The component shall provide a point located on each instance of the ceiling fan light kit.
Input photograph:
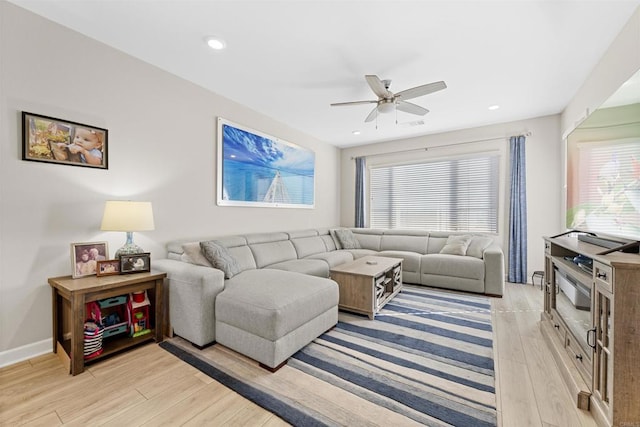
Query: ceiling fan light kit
(387, 102)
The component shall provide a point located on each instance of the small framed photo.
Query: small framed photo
(85, 257)
(108, 267)
(135, 263)
(51, 140)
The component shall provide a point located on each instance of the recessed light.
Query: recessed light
(215, 43)
(494, 107)
(356, 132)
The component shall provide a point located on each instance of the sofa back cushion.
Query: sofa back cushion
(238, 248)
(369, 238)
(306, 246)
(270, 248)
(405, 240)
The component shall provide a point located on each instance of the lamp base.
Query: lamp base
(129, 247)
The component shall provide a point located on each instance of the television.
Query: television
(603, 171)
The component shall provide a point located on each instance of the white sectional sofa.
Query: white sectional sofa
(276, 296)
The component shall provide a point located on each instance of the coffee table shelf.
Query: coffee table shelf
(368, 283)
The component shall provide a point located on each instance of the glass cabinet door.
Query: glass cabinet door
(602, 376)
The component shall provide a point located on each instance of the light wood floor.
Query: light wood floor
(148, 386)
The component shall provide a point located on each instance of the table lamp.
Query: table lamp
(128, 216)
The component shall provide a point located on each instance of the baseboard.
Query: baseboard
(29, 351)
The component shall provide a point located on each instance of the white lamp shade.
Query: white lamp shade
(127, 216)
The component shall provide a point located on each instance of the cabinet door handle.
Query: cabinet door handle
(579, 357)
(602, 276)
(557, 326)
(589, 336)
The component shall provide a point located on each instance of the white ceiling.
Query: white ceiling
(291, 59)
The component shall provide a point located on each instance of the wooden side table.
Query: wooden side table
(69, 298)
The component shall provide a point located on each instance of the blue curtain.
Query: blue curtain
(518, 212)
(361, 165)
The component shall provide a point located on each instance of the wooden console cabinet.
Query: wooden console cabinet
(591, 322)
(69, 298)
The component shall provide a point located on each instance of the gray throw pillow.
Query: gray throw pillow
(220, 258)
(478, 245)
(456, 245)
(347, 239)
(332, 232)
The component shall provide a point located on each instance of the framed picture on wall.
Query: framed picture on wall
(85, 258)
(255, 169)
(51, 140)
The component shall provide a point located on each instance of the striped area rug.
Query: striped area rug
(427, 359)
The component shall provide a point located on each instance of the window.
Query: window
(459, 194)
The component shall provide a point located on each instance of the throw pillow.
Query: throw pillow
(220, 258)
(347, 239)
(456, 245)
(332, 232)
(478, 245)
(192, 254)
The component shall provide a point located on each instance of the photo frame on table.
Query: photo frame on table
(259, 170)
(85, 257)
(108, 267)
(135, 263)
(51, 140)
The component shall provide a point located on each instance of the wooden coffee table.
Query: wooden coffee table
(368, 283)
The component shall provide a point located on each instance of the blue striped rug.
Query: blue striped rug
(426, 359)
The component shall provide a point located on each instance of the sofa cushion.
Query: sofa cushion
(220, 258)
(359, 253)
(409, 243)
(314, 267)
(334, 258)
(453, 266)
(306, 246)
(273, 252)
(456, 245)
(329, 243)
(369, 238)
(477, 246)
(271, 303)
(347, 239)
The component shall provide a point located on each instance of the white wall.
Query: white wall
(162, 133)
(544, 181)
(620, 62)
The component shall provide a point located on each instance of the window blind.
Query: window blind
(459, 194)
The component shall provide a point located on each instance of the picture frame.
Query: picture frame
(108, 267)
(135, 263)
(259, 170)
(51, 140)
(85, 257)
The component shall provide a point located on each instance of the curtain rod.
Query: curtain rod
(528, 133)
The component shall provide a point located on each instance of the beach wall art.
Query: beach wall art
(255, 169)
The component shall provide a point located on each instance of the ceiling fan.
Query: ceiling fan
(388, 101)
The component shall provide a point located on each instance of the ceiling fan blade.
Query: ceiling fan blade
(372, 115)
(409, 107)
(417, 91)
(377, 86)
(338, 104)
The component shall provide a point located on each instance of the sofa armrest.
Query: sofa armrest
(192, 291)
(493, 270)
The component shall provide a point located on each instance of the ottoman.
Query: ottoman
(268, 314)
